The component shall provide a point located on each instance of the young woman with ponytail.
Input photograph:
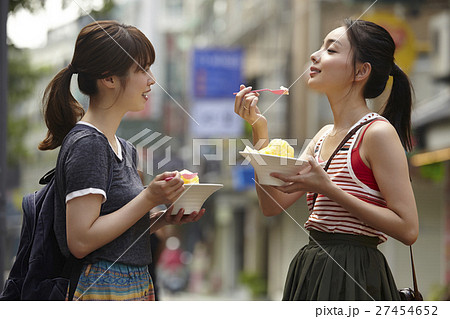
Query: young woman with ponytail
(103, 209)
(365, 195)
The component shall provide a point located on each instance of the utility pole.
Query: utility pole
(3, 131)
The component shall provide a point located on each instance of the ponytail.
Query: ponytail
(61, 110)
(373, 43)
(398, 106)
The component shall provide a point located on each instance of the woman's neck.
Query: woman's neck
(104, 119)
(347, 110)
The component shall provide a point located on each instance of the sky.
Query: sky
(29, 30)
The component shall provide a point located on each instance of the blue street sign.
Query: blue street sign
(243, 177)
(216, 72)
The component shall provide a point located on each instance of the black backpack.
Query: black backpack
(40, 271)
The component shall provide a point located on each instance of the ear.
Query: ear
(109, 82)
(363, 71)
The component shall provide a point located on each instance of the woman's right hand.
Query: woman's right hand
(245, 105)
(165, 188)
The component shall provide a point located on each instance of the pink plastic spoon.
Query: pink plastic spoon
(279, 91)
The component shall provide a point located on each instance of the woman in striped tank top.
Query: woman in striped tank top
(366, 194)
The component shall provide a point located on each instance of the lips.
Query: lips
(145, 94)
(314, 70)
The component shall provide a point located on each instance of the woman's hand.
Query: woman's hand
(180, 218)
(245, 105)
(311, 179)
(165, 188)
(165, 217)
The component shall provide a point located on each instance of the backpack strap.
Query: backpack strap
(72, 270)
(47, 177)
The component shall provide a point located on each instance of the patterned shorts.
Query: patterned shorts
(104, 280)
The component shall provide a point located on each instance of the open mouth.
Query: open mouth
(145, 94)
(314, 70)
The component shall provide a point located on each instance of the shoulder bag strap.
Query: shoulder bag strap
(344, 140)
(417, 295)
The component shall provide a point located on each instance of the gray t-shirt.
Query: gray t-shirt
(88, 165)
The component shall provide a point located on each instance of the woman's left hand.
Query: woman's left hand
(312, 179)
(180, 218)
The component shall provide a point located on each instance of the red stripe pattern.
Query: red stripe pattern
(329, 216)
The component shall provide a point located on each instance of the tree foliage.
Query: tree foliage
(30, 5)
(34, 5)
(22, 79)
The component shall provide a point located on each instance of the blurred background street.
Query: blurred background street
(204, 50)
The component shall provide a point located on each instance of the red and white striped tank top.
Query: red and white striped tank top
(329, 216)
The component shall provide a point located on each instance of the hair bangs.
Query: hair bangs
(144, 52)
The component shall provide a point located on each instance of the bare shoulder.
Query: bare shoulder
(381, 132)
(322, 131)
(311, 145)
(381, 141)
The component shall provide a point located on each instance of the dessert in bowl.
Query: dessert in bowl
(195, 194)
(277, 157)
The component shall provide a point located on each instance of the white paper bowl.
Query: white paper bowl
(194, 196)
(265, 164)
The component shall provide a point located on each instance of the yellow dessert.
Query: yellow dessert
(278, 147)
(189, 178)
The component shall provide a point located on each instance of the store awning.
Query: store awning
(431, 120)
(433, 110)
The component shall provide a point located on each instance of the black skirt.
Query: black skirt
(340, 267)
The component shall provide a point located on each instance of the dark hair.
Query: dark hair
(373, 44)
(102, 49)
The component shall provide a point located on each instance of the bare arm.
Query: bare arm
(271, 201)
(386, 157)
(88, 231)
